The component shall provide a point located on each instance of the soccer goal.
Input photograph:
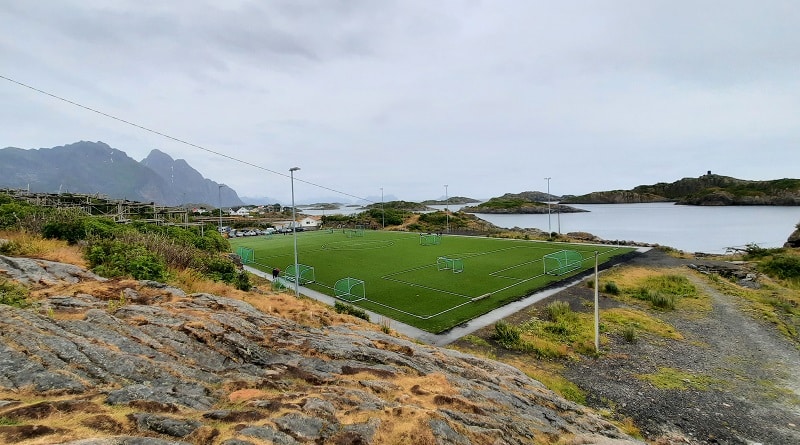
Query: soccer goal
(246, 254)
(351, 233)
(349, 289)
(305, 274)
(453, 264)
(429, 239)
(561, 262)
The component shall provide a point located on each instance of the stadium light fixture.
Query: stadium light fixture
(383, 212)
(294, 235)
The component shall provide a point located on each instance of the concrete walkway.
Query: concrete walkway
(451, 335)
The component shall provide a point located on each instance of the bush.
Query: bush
(13, 294)
(112, 258)
(661, 300)
(350, 310)
(629, 334)
(507, 335)
(242, 281)
(557, 309)
(783, 266)
(611, 288)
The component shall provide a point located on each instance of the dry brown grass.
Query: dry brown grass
(34, 246)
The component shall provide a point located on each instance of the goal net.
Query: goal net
(349, 289)
(246, 254)
(429, 239)
(305, 274)
(561, 262)
(454, 264)
(351, 233)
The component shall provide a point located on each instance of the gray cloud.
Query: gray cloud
(488, 97)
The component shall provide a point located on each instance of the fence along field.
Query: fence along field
(410, 281)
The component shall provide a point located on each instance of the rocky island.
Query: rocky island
(520, 203)
(707, 190)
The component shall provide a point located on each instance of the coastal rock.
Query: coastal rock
(794, 239)
(180, 360)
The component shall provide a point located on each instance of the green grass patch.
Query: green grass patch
(6, 421)
(13, 294)
(618, 319)
(671, 378)
(401, 277)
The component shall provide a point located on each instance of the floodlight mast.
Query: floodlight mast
(294, 235)
(219, 197)
(549, 229)
(383, 212)
(446, 211)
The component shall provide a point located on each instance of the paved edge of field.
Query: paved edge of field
(455, 333)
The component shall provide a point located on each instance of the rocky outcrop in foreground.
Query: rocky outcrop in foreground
(116, 362)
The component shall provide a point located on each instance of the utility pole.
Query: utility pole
(294, 235)
(446, 210)
(549, 229)
(219, 197)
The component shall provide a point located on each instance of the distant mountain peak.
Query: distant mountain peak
(96, 167)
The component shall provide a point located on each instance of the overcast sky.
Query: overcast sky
(486, 97)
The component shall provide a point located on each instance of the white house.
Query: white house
(241, 211)
(310, 222)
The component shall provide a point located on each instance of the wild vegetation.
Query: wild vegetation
(139, 250)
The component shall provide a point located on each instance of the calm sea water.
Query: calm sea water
(688, 228)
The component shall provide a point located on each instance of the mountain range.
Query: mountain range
(94, 167)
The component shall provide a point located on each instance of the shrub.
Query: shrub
(611, 288)
(13, 294)
(350, 310)
(783, 266)
(661, 300)
(557, 309)
(629, 334)
(242, 281)
(111, 258)
(507, 335)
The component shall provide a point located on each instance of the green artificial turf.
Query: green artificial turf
(401, 278)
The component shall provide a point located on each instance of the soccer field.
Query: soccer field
(433, 283)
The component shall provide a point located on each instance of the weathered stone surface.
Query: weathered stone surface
(269, 433)
(125, 441)
(192, 355)
(30, 271)
(165, 425)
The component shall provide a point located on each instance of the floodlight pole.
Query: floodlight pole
(294, 235)
(219, 197)
(549, 230)
(446, 210)
(383, 212)
(596, 306)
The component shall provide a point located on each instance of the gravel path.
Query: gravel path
(744, 386)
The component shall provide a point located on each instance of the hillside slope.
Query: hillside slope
(122, 359)
(709, 190)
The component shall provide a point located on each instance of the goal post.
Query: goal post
(456, 265)
(349, 289)
(305, 274)
(429, 239)
(246, 254)
(562, 262)
(351, 233)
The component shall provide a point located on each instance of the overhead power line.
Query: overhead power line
(179, 140)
